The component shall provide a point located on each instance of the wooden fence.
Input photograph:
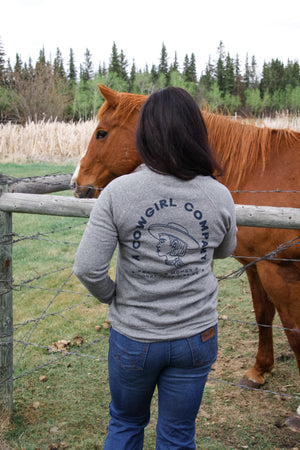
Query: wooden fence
(247, 215)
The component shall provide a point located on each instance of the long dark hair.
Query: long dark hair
(172, 137)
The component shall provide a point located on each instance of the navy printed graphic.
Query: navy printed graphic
(174, 242)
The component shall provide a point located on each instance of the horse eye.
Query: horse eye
(101, 134)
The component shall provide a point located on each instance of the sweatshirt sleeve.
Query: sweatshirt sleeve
(227, 247)
(96, 250)
(228, 244)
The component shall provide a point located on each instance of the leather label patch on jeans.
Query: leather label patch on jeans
(208, 334)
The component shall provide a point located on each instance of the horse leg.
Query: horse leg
(282, 282)
(264, 313)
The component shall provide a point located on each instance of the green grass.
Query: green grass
(69, 407)
(33, 169)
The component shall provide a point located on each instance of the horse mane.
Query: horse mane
(240, 147)
(126, 105)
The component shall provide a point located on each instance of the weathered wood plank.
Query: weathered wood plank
(46, 204)
(267, 216)
(6, 315)
(247, 215)
(38, 185)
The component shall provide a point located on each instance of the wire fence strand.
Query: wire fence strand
(33, 323)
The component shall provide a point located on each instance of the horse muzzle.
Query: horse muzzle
(84, 191)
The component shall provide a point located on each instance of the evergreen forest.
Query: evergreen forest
(53, 90)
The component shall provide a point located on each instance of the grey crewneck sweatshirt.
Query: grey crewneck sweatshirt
(167, 231)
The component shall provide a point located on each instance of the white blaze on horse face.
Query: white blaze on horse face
(75, 174)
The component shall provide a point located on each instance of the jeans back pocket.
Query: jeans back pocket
(129, 354)
(204, 347)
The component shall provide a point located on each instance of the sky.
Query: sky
(267, 29)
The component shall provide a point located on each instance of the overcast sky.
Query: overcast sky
(264, 28)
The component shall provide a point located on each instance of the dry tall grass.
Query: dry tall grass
(45, 141)
(58, 141)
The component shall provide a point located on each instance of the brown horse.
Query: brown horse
(253, 159)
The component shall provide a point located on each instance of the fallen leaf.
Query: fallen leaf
(78, 340)
(36, 405)
(106, 325)
(43, 378)
(59, 346)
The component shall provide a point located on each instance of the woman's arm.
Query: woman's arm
(95, 252)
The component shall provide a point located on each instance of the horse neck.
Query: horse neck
(244, 149)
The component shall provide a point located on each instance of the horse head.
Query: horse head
(112, 150)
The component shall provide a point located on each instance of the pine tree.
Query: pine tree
(123, 66)
(72, 72)
(229, 75)
(41, 62)
(265, 80)
(220, 68)
(2, 65)
(186, 65)
(132, 76)
(247, 73)
(189, 69)
(114, 63)
(163, 67)
(277, 76)
(58, 65)
(18, 64)
(238, 85)
(175, 66)
(42, 57)
(154, 74)
(253, 75)
(104, 70)
(86, 70)
(208, 78)
(193, 69)
(273, 77)
(292, 74)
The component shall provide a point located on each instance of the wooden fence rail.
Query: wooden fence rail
(37, 185)
(247, 215)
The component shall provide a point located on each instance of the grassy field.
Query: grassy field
(61, 398)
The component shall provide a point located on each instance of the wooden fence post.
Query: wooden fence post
(6, 313)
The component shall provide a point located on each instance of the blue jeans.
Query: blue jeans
(178, 368)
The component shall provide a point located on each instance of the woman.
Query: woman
(163, 312)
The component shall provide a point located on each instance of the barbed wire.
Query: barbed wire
(262, 325)
(40, 235)
(79, 352)
(64, 354)
(243, 386)
(255, 324)
(29, 333)
(233, 275)
(268, 256)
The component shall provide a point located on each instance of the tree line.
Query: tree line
(51, 90)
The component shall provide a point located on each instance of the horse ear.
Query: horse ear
(111, 96)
